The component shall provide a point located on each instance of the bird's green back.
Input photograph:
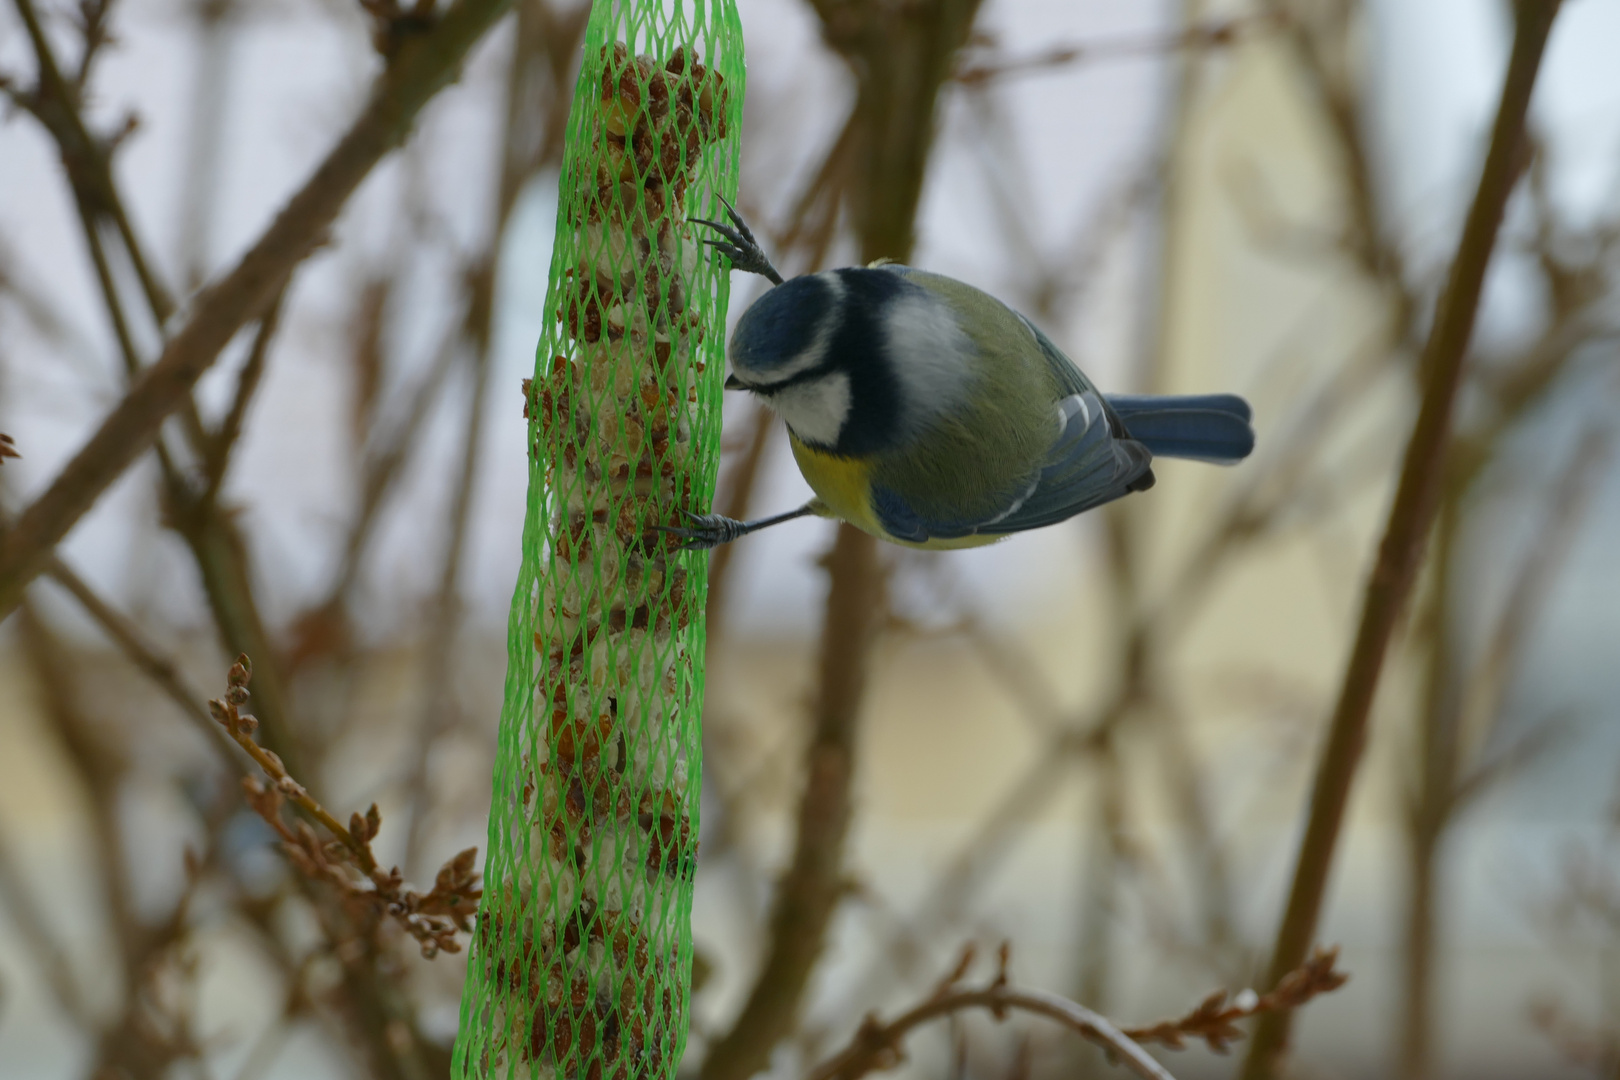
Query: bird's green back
(998, 439)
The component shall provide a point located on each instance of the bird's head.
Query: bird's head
(853, 360)
(782, 351)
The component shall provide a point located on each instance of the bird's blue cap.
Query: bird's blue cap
(779, 328)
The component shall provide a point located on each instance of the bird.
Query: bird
(929, 414)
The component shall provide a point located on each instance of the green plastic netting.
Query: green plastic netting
(581, 964)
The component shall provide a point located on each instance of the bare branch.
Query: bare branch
(877, 1045)
(422, 67)
(977, 72)
(221, 445)
(433, 919)
(1214, 1019)
(154, 665)
(1410, 518)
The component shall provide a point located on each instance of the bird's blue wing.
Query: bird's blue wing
(1086, 467)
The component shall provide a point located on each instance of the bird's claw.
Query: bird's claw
(739, 244)
(706, 531)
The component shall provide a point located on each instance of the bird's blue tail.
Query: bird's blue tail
(1203, 427)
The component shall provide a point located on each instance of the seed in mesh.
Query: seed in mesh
(591, 945)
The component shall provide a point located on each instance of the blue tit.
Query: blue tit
(929, 414)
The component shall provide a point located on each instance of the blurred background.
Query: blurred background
(1094, 741)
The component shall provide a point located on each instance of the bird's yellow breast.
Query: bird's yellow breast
(843, 486)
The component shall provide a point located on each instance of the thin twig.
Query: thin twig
(1214, 1019)
(161, 669)
(223, 443)
(1410, 518)
(432, 919)
(1205, 36)
(876, 1045)
(85, 156)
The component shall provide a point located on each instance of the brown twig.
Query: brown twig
(419, 70)
(93, 17)
(1210, 35)
(1366, 237)
(161, 669)
(8, 448)
(433, 919)
(223, 443)
(85, 156)
(876, 1045)
(1214, 1020)
(1410, 518)
(1504, 652)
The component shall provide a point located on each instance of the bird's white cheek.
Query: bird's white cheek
(815, 410)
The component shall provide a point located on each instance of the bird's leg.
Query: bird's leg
(712, 530)
(739, 245)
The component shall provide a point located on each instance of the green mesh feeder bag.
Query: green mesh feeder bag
(581, 964)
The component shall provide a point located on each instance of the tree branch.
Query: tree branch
(1409, 522)
(877, 1045)
(422, 66)
(159, 668)
(218, 451)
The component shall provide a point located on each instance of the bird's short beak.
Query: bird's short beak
(734, 383)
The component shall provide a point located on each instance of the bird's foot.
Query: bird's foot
(707, 531)
(739, 245)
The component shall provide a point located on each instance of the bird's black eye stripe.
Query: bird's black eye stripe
(792, 380)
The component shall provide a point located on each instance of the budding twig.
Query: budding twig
(433, 919)
(1214, 1019)
(877, 1045)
